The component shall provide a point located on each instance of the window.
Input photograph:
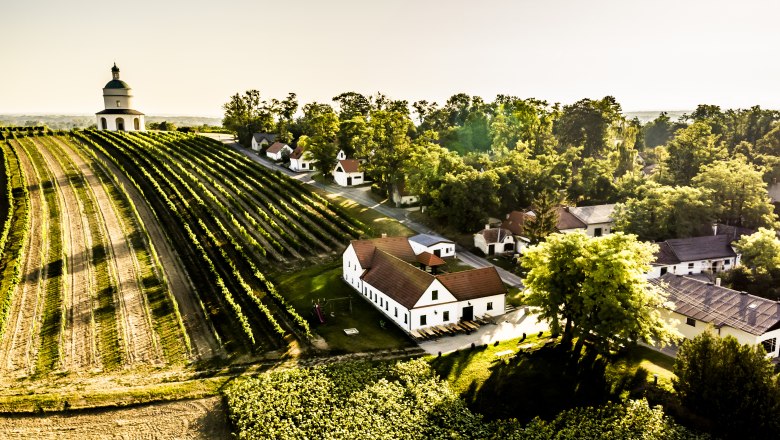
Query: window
(136, 124)
(690, 265)
(690, 321)
(423, 320)
(769, 345)
(597, 232)
(381, 302)
(445, 316)
(435, 295)
(396, 312)
(727, 262)
(387, 306)
(490, 305)
(118, 103)
(405, 315)
(103, 123)
(663, 271)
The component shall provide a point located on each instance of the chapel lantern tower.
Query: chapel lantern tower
(119, 114)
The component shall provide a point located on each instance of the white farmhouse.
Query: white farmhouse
(301, 160)
(690, 256)
(699, 305)
(401, 197)
(119, 114)
(439, 246)
(347, 172)
(383, 270)
(596, 220)
(277, 150)
(492, 241)
(261, 140)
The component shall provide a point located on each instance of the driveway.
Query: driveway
(509, 326)
(361, 196)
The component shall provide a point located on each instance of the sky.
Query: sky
(187, 57)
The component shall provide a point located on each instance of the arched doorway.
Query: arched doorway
(136, 124)
(120, 124)
(103, 123)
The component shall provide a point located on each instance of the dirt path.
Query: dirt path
(20, 341)
(187, 419)
(134, 318)
(79, 337)
(204, 343)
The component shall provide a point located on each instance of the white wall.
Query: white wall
(351, 270)
(481, 244)
(129, 122)
(341, 178)
(278, 156)
(305, 163)
(258, 147)
(694, 267)
(606, 229)
(445, 249)
(111, 96)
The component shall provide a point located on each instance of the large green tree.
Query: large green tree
(730, 384)
(247, 114)
(692, 148)
(737, 193)
(388, 147)
(320, 127)
(760, 251)
(661, 212)
(595, 289)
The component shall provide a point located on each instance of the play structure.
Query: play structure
(321, 307)
(318, 313)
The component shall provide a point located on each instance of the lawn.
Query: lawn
(323, 282)
(377, 223)
(545, 380)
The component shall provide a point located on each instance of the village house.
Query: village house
(439, 246)
(347, 173)
(386, 271)
(493, 241)
(700, 305)
(278, 150)
(401, 197)
(695, 255)
(301, 160)
(261, 140)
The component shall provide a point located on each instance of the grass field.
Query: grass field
(546, 380)
(323, 282)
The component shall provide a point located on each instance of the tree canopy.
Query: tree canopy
(595, 289)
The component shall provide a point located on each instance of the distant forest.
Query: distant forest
(67, 122)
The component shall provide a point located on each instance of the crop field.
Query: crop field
(122, 251)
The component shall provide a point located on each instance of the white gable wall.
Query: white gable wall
(340, 177)
(351, 269)
(445, 249)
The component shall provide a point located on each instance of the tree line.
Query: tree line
(469, 159)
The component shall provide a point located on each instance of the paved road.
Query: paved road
(361, 196)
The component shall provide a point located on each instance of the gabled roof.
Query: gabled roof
(276, 147)
(297, 153)
(697, 248)
(428, 259)
(719, 305)
(350, 165)
(733, 232)
(593, 214)
(665, 255)
(475, 283)
(515, 222)
(567, 220)
(396, 246)
(397, 279)
(428, 239)
(495, 235)
(270, 137)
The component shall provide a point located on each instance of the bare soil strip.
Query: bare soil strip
(79, 338)
(199, 329)
(20, 341)
(187, 419)
(138, 334)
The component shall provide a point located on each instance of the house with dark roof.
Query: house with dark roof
(261, 140)
(401, 196)
(439, 246)
(694, 255)
(278, 150)
(301, 160)
(493, 241)
(696, 306)
(394, 278)
(348, 173)
(594, 220)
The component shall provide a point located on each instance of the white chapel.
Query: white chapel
(119, 114)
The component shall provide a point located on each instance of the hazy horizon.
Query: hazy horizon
(182, 58)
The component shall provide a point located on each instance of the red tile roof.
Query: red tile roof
(276, 147)
(397, 279)
(430, 259)
(472, 284)
(350, 165)
(515, 222)
(567, 220)
(297, 153)
(396, 246)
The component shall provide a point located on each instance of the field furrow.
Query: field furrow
(20, 339)
(79, 337)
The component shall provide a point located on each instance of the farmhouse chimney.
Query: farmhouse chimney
(714, 229)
